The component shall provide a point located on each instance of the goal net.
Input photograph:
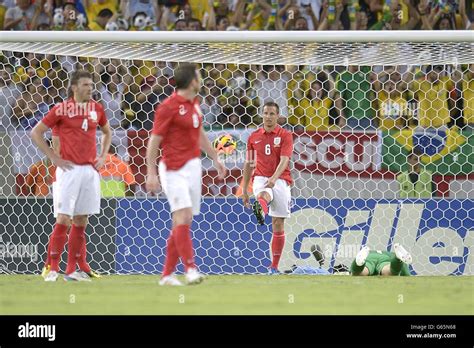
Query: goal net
(383, 145)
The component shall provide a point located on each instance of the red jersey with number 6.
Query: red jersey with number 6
(76, 124)
(266, 148)
(178, 120)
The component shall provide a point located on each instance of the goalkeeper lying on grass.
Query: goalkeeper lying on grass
(372, 263)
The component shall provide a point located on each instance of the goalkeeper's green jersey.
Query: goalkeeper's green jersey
(377, 260)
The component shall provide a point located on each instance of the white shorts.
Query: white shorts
(76, 191)
(183, 187)
(280, 196)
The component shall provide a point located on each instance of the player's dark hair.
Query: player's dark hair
(184, 74)
(270, 104)
(75, 77)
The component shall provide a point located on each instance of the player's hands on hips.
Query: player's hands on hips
(61, 163)
(246, 200)
(152, 184)
(99, 162)
(271, 183)
(221, 169)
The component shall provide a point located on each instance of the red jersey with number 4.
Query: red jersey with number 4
(76, 125)
(266, 148)
(178, 120)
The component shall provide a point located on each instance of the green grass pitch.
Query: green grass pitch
(239, 294)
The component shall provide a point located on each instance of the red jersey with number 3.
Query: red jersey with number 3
(267, 148)
(178, 120)
(76, 125)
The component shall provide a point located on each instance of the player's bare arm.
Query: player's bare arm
(152, 182)
(37, 135)
(105, 145)
(284, 161)
(207, 147)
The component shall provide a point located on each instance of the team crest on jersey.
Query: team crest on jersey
(93, 116)
(182, 110)
(277, 141)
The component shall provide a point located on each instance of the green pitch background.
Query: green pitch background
(240, 294)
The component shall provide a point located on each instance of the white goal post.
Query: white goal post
(348, 176)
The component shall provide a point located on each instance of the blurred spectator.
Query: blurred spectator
(294, 17)
(33, 104)
(194, 24)
(40, 177)
(100, 20)
(468, 97)
(140, 107)
(354, 98)
(465, 21)
(21, 16)
(433, 95)
(298, 85)
(311, 8)
(362, 20)
(130, 8)
(333, 15)
(220, 17)
(312, 111)
(180, 25)
(117, 179)
(70, 19)
(31, 65)
(209, 105)
(9, 92)
(415, 181)
(447, 15)
(110, 91)
(93, 7)
(58, 77)
(237, 112)
(38, 22)
(398, 15)
(3, 10)
(271, 85)
(258, 15)
(169, 15)
(393, 111)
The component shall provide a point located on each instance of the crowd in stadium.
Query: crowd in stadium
(234, 14)
(310, 98)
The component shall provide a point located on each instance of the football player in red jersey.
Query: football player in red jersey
(83, 258)
(269, 150)
(178, 129)
(77, 178)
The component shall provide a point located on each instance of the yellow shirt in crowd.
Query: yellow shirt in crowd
(312, 114)
(433, 109)
(393, 113)
(95, 7)
(468, 97)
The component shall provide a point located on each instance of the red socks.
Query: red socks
(172, 256)
(82, 261)
(184, 245)
(264, 205)
(74, 246)
(58, 240)
(278, 242)
(48, 252)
